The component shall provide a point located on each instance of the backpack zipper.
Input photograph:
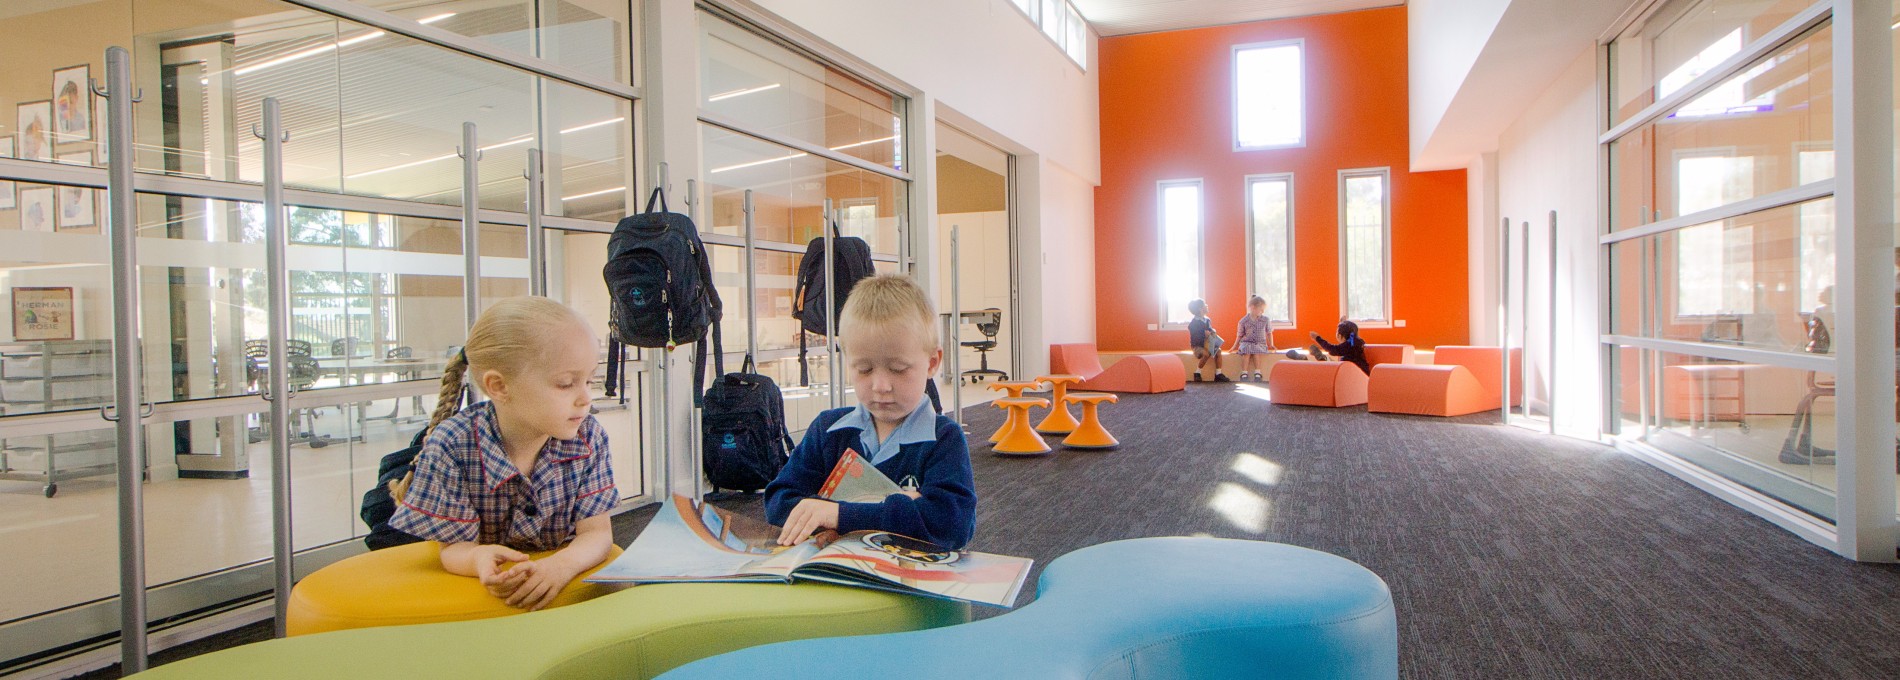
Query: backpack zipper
(665, 301)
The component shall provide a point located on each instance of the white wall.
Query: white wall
(1443, 38)
(1481, 196)
(1547, 160)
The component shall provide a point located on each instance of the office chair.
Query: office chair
(989, 322)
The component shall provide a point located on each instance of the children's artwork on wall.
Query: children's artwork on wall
(72, 104)
(36, 120)
(36, 209)
(78, 206)
(7, 198)
(43, 313)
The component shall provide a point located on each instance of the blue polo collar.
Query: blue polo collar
(919, 426)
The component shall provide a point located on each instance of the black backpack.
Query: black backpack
(659, 282)
(854, 264)
(745, 442)
(378, 506)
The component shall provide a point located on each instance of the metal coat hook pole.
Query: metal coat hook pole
(258, 132)
(106, 412)
(93, 84)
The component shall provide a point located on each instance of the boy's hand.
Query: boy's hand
(1315, 334)
(808, 516)
(491, 568)
(546, 579)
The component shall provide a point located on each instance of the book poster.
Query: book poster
(78, 206)
(72, 104)
(42, 314)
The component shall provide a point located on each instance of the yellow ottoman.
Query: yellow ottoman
(404, 585)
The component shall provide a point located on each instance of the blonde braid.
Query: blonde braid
(449, 402)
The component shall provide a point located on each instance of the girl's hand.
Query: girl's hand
(545, 581)
(491, 568)
(808, 516)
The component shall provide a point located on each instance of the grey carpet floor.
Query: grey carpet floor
(1510, 554)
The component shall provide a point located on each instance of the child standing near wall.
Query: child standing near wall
(1253, 338)
(1205, 341)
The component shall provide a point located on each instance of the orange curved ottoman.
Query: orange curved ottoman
(1317, 383)
(1427, 390)
(1389, 354)
(1144, 373)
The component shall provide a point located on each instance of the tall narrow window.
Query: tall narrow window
(1365, 213)
(1270, 243)
(1269, 96)
(1180, 203)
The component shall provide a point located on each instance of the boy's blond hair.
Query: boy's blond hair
(891, 299)
(507, 337)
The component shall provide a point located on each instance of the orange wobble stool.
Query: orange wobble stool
(1020, 438)
(1015, 388)
(1090, 434)
(1059, 420)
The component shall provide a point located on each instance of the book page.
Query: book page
(911, 565)
(856, 480)
(685, 542)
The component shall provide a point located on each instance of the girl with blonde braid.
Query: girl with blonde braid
(527, 470)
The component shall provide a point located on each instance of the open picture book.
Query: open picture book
(696, 542)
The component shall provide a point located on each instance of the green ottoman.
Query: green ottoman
(636, 633)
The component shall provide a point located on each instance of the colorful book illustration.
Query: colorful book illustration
(693, 542)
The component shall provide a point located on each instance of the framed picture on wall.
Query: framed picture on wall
(78, 206)
(72, 104)
(36, 127)
(36, 209)
(7, 199)
(41, 313)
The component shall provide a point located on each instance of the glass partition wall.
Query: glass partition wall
(797, 135)
(1720, 246)
(376, 258)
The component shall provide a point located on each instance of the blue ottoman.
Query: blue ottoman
(1141, 608)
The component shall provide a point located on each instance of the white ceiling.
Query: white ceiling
(1122, 17)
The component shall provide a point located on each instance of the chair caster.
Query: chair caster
(50, 489)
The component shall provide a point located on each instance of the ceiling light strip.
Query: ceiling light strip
(800, 145)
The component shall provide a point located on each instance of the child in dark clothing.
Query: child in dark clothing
(1204, 340)
(1350, 348)
(889, 332)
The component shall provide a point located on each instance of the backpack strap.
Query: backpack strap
(804, 370)
(659, 195)
(711, 295)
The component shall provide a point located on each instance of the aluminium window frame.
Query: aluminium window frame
(1161, 243)
(1233, 90)
(1384, 173)
(1292, 281)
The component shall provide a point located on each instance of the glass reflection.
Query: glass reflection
(789, 190)
(772, 89)
(1767, 129)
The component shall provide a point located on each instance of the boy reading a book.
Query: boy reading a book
(888, 330)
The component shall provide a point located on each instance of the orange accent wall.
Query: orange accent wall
(1166, 110)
